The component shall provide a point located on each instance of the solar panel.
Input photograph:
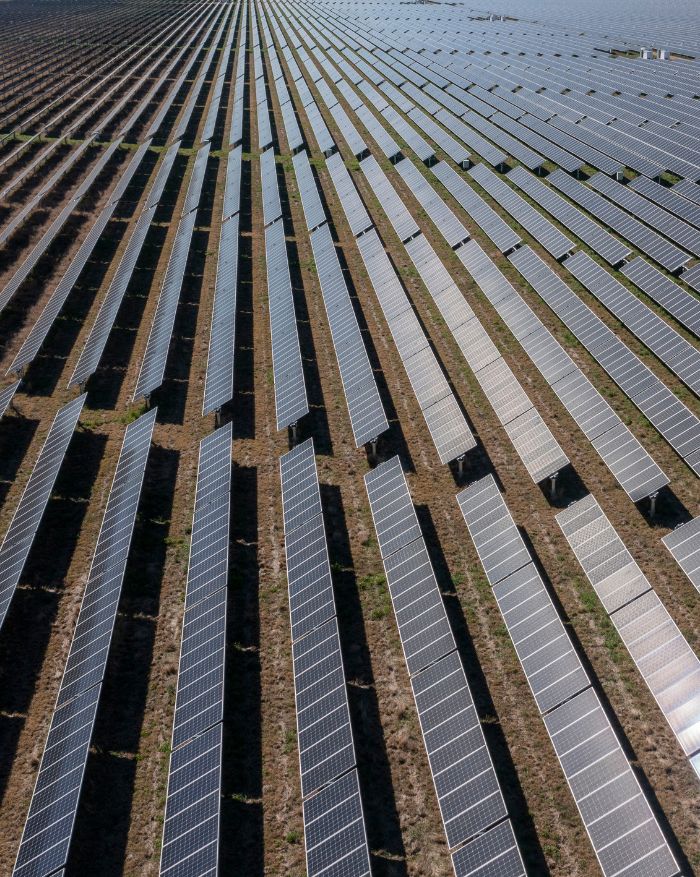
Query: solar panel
(606, 562)
(556, 243)
(323, 720)
(684, 545)
(194, 187)
(290, 390)
(597, 238)
(30, 509)
(493, 854)
(445, 220)
(667, 198)
(91, 353)
(671, 348)
(379, 134)
(199, 700)
(403, 223)
(661, 289)
(468, 792)
(49, 826)
(310, 201)
(272, 209)
(263, 116)
(232, 186)
(472, 138)
(620, 823)
(6, 396)
(191, 828)
(350, 200)
(484, 216)
(663, 656)
(365, 408)
(218, 386)
(334, 829)
(323, 137)
(392, 510)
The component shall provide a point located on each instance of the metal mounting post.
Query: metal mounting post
(293, 428)
(147, 401)
(652, 503)
(460, 466)
(217, 418)
(373, 448)
(553, 485)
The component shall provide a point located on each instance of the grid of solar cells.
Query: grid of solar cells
(662, 654)
(314, 213)
(681, 304)
(6, 396)
(667, 198)
(367, 416)
(597, 238)
(152, 370)
(606, 791)
(466, 784)
(673, 420)
(93, 349)
(494, 853)
(446, 423)
(671, 348)
(25, 522)
(450, 227)
(272, 209)
(218, 386)
(324, 731)
(684, 545)
(555, 242)
(620, 823)
(403, 223)
(648, 241)
(334, 828)
(49, 826)
(290, 390)
(190, 832)
(502, 235)
(355, 212)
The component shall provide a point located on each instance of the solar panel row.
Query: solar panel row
(94, 346)
(538, 449)
(611, 803)
(665, 343)
(190, 831)
(334, 829)
(446, 423)
(662, 654)
(673, 420)
(49, 827)
(466, 784)
(25, 522)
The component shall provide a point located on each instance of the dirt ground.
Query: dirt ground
(119, 824)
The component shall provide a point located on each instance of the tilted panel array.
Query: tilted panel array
(49, 827)
(334, 827)
(155, 357)
(290, 390)
(25, 522)
(673, 420)
(93, 349)
(612, 804)
(682, 305)
(665, 343)
(218, 384)
(663, 656)
(446, 422)
(467, 788)
(367, 416)
(684, 545)
(191, 829)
